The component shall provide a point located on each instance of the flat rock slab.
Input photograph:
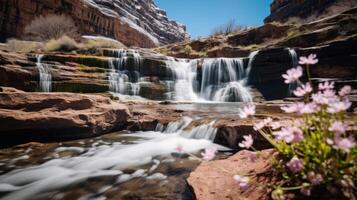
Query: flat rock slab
(213, 180)
(58, 115)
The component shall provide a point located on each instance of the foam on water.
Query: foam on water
(121, 80)
(107, 160)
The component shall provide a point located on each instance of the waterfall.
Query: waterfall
(45, 75)
(185, 72)
(223, 79)
(294, 63)
(252, 56)
(204, 131)
(216, 79)
(121, 80)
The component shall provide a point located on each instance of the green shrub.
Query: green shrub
(187, 49)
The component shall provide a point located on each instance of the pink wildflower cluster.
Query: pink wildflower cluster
(304, 141)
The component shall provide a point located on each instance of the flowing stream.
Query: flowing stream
(45, 75)
(118, 165)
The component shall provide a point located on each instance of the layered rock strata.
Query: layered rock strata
(135, 23)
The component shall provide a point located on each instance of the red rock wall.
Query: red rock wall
(283, 10)
(16, 14)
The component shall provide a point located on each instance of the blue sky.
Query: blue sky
(201, 16)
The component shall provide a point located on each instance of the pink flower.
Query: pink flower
(319, 98)
(339, 106)
(345, 90)
(209, 153)
(315, 179)
(247, 111)
(289, 134)
(179, 148)
(338, 127)
(295, 165)
(325, 97)
(309, 108)
(310, 60)
(262, 123)
(242, 181)
(306, 191)
(344, 144)
(247, 142)
(303, 90)
(326, 85)
(292, 75)
(295, 107)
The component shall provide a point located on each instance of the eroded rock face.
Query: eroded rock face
(57, 115)
(284, 10)
(134, 23)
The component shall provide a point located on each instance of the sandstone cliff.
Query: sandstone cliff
(306, 10)
(134, 23)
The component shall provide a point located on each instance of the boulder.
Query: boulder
(43, 116)
(214, 180)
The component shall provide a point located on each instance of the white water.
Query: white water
(150, 148)
(185, 72)
(122, 81)
(294, 63)
(222, 79)
(45, 75)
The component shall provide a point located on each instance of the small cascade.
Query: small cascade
(223, 79)
(185, 73)
(294, 63)
(45, 75)
(204, 131)
(251, 57)
(121, 80)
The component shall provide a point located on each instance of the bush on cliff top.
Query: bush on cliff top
(63, 43)
(49, 27)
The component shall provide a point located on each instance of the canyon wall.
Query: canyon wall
(306, 10)
(134, 23)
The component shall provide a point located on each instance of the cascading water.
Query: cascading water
(45, 75)
(221, 80)
(224, 79)
(204, 131)
(139, 155)
(121, 80)
(185, 72)
(294, 63)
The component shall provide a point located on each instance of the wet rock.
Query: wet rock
(214, 179)
(152, 90)
(42, 116)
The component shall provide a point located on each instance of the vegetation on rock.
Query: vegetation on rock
(316, 150)
(49, 27)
